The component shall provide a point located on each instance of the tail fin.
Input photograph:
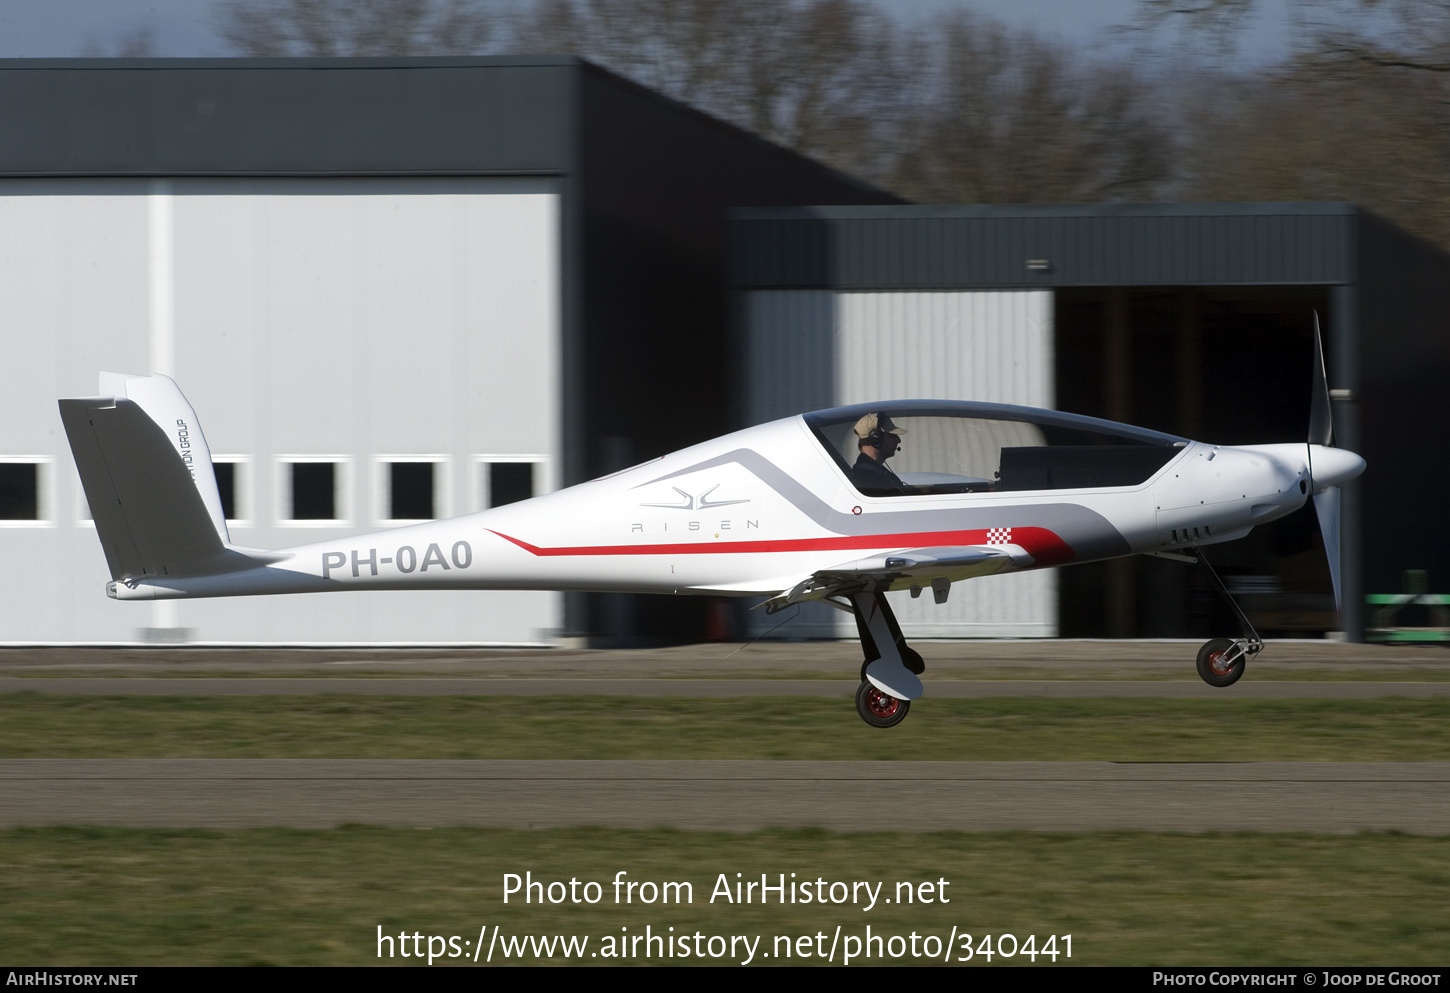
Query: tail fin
(148, 477)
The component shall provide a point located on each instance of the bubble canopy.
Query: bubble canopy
(967, 447)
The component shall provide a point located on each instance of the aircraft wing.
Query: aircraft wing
(899, 570)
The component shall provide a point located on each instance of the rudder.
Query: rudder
(148, 478)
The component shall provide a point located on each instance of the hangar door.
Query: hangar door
(360, 353)
(809, 349)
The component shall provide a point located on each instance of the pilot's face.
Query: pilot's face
(889, 444)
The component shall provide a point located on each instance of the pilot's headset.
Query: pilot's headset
(876, 437)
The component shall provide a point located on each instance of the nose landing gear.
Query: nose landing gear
(1221, 661)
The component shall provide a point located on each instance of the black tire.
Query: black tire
(878, 709)
(1212, 671)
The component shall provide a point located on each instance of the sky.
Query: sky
(71, 28)
(1103, 27)
(186, 28)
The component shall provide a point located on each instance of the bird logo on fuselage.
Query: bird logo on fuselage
(688, 501)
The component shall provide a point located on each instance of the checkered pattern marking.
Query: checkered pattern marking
(999, 536)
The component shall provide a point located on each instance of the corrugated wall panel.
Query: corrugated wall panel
(987, 346)
(886, 248)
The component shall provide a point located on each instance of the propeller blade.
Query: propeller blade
(1321, 432)
(1321, 423)
(1326, 507)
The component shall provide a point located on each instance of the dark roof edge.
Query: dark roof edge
(664, 101)
(480, 173)
(966, 211)
(591, 70)
(389, 62)
(1422, 244)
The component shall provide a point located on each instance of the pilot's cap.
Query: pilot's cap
(873, 423)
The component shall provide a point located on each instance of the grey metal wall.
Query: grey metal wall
(279, 117)
(1397, 400)
(790, 353)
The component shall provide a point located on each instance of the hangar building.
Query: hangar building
(392, 290)
(1195, 319)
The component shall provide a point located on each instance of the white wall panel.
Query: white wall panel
(988, 346)
(73, 293)
(351, 317)
(994, 347)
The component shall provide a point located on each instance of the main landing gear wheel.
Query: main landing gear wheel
(877, 708)
(1212, 667)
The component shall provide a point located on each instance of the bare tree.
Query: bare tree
(1359, 112)
(1219, 20)
(1407, 34)
(327, 28)
(1013, 119)
(1379, 136)
(826, 77)
(964, 111)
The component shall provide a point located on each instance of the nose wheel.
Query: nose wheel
(879, 709)
(1221, 662)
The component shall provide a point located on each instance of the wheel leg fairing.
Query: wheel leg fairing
(888, 671)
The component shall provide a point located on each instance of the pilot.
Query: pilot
(878, 439)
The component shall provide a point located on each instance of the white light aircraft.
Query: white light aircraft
(800, 509)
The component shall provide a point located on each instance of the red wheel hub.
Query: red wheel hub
(1218, 665)
(880, 704)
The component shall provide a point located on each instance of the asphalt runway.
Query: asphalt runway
(1333, 797)
(730, 795)
(1042, 659)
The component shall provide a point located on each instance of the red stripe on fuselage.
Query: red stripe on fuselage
(1045, 547)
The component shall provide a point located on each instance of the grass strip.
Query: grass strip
(995, 729)
(150, 897)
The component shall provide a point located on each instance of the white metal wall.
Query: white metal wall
(339, 318)
(988, 346)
